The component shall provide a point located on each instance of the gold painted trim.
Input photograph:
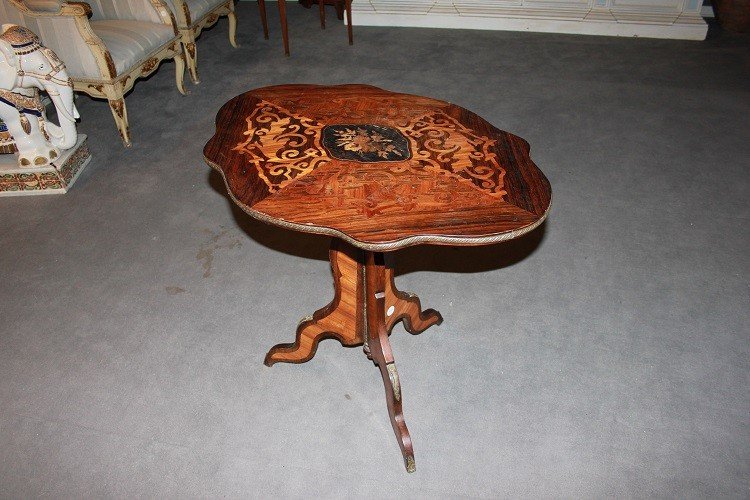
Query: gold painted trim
(395, 384)
(411, 466)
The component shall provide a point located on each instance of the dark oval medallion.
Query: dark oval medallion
(365, 143)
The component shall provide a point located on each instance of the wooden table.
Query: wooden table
(377, 171)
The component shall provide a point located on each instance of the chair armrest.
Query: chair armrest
(165, 13)
(64, 9)
(180, 10)
(150, 11)
(75, 9)
(153, 11)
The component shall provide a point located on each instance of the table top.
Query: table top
(378, 169)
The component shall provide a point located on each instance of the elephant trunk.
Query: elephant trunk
(64, 136)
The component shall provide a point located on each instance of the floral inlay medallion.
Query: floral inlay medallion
(365, 143)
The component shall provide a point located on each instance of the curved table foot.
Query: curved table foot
(341, 319)
(379, 349)
(407, 307)
(309, 332)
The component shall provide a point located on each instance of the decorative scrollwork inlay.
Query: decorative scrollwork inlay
(281, 145)
(445, 146)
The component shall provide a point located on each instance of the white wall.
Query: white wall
(646, 18)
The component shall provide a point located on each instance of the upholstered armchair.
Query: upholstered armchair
(106, 44)
(194, 15)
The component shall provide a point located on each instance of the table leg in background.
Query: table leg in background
(263, 18)
(284, 26)
(349, 21)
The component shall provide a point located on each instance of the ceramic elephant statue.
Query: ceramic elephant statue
(27, 67)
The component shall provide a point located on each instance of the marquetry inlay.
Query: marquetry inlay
(382, 168)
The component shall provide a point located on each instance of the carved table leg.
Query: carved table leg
(341, 319)
(380, 352)
(365, 308)
(405, 306)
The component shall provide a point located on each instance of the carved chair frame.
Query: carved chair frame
(189, 30)
(110, 85)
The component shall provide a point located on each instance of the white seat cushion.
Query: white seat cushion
(199, 8)
(129, 42)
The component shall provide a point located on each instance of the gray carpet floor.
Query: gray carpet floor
(604, 355)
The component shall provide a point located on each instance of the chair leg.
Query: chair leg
(284, 25)
(179, 74)
(232, 17)
(322, 10)
(263, 18)
(340, 10)
(191, 56)
(349, 21)
(116, 102)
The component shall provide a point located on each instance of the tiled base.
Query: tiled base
(52, 179)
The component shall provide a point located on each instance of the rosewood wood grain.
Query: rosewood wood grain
(342, 319)
(377, 171)
(459, 180)
(381, 353)
(366, 307)
(405, 306)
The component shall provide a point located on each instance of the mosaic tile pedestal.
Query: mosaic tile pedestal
(56, 178)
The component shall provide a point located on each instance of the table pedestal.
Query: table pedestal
(365, 308)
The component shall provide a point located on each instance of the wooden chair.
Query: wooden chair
(340, 5)
(106, 44)
(347, 5)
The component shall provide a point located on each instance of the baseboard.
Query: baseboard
(685, 26)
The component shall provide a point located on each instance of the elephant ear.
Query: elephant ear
(8, 66)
